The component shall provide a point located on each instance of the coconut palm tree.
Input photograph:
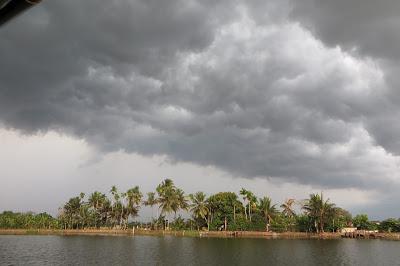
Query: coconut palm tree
(113, 192)
(116, 206)
(287, 208)
(165, 185)
(133, 198)
(170, 198)
(244, 193)
(252, 202)
(151, 201)
(318, 209)
(268, 210)
(96, 200)
(71, 212)
(199, 207)
(182, 200)
(166, 197)
(81, 209)
(288, 211)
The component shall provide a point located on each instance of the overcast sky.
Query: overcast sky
(283, 97)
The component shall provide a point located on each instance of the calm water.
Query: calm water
(142, 250)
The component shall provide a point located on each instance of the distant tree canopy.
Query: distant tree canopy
(390, 225)
(361, 221)
(220, 211)
(12, 220)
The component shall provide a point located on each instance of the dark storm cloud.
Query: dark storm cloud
(367, 25)
(211, 82)
(367, 28)
(47, 53)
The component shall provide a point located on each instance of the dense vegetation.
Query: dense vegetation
(221, 211)
(11, 220)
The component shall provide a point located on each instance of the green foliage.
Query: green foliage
(221, 211)
(304, 223)
(242, 224)
(257, 223)
(287, 208)
(362, 222)
(171, 198)
(199, 209)
(223, 205)
(338, 218)
(11, 220)
(283, 223)
(179, 224)
(319, 210)
(158, 223)
(390, 225)
(267, 210)
(100, 211)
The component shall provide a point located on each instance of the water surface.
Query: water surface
(168, 250)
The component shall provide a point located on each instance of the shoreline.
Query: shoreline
(200, 234)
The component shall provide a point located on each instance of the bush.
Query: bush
(362, 222)
(179, 224)
(390, 225)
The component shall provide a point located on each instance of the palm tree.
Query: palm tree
(339, 218)
(105, 211)
(165, 185)
(81, 212)
(113, 192)
(151, 201)
(268, 210)
(318, 209)
(199, 207)
(287, 210)
(252, 202)
(96, 200)
(122, 208)
(244, 193)
(115, 205)
(170, 198)
(182, 200)
(166, 197)
(71, 212)
(287, 207)
(133, 197)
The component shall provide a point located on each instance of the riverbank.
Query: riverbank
(211, 234)
(97, 232)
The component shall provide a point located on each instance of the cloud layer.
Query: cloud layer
(260, 90)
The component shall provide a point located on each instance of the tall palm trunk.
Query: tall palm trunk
(225, 224)
(208, 223)
(234, 213)
(250, 211)
(112, 214)
(322, 225)
(120, 218)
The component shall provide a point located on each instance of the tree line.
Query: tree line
(221, 211)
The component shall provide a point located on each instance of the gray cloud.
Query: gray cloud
(247, 91)
(368, 29)
(367, 25)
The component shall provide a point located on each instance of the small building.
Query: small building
(348, 230)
